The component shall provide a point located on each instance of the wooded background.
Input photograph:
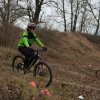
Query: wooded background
(70, 15)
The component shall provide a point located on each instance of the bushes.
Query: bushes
(9, 35)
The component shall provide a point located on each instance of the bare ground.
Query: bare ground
(73, 72)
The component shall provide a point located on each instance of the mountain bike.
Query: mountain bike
(41, 70)
(97, 73)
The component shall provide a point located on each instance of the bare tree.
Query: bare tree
(97, 18)
(34, 9)
(60, 7)
(10, 11)
(76, 16)
(64, 16)
(83, 17)
(76, 7)
(71, 1)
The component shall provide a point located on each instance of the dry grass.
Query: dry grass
(73, 60)
(9, 36)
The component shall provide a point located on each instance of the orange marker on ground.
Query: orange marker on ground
(33, 84)
(45, 92)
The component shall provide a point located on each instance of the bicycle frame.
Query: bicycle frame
(38, 69)
(35, 60)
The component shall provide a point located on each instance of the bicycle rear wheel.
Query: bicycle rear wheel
(18, 63)
(43, 74)
(98, 73)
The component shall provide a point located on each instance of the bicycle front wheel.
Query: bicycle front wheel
(98, 73)
(43, 74)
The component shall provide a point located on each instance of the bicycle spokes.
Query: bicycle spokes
(18, 63)
(42, 71)
(98, 73)
(43, 74)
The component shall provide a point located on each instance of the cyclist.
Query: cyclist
(24, 46)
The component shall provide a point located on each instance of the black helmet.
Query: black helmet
(31, 25)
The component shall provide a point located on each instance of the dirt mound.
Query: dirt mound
(73, 59)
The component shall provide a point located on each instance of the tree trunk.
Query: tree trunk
(76, 17)
(71, 15)
(98, 24)
(37, 10)
(96, 32)
(83, 20)
(64, 16)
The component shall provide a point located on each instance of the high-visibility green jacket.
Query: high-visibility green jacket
(28, 39)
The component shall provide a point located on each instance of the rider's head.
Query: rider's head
(31, 26)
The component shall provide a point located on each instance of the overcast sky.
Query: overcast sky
(50, 20)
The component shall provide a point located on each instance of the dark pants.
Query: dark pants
(29, 55)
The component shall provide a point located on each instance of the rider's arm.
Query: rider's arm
(39, 43)
(25, 41)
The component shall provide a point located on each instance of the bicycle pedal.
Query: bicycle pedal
(26, 71)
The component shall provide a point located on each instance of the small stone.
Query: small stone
(81, 97)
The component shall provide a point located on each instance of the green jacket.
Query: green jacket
(28, 39)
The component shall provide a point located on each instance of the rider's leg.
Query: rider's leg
(29, 54)
(26, 62)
